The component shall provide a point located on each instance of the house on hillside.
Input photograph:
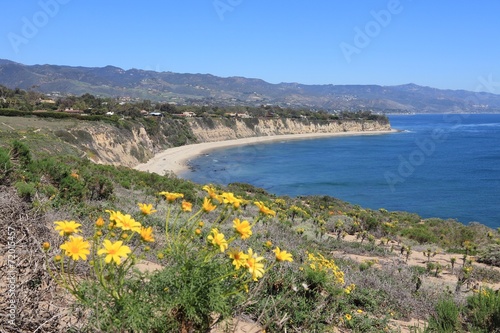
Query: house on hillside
(73, 111)
(185, 114)
(47, 101)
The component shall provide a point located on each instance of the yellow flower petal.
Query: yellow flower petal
(282, 255)
(67, 228)
(76, 248)
(114, 251)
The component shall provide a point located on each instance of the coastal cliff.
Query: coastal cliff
(132, 142)
(210, 130)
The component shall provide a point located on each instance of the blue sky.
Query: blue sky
(444, 44)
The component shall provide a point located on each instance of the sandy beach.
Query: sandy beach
(176, 159)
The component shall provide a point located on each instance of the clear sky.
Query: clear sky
(446, 44)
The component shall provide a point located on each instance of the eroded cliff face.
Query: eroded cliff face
(123, 147)
(134, 144)
(209, 130)
(107, 144)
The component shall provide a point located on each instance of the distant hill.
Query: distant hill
(181, 88)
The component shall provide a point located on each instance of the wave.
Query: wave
(478, 125)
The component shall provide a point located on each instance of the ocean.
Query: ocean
(439, 165)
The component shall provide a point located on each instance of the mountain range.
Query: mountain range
(183, 88)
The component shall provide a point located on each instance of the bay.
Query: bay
(439, 165)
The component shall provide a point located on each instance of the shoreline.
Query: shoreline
(176, 159)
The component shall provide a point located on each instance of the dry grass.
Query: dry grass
(34, 123)
(25, 280)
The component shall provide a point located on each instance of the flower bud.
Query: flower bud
(100, 222)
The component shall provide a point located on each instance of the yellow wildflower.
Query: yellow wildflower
(208, 206)
(349, 288)
(112, 214)
(100, 222)
(67, 228)
(348, 317)
(255, 267)
(197, 231)
(146, 209)
(268, 244)
(46, 246)
(217, 239)
(147, 234)
(229, 199)
(114, 251)
(126, 222)
(243, 228)
(186, 206)
(263, 209)
(282, 255)
(171, 197)
(239, 258)
(211, 191)
(76, 248)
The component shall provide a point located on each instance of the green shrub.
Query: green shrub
(187, 297)
(72, 189)
(14, 113)
(482, 311)
(56, 115)
(21, 152)
(446, 318)
(26, 190)
(5, 165)
(421, 234)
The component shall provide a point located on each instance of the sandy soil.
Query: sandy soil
(446, 278)
(417, 258)
(176, 159)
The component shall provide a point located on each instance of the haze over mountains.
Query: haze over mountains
(182, 88)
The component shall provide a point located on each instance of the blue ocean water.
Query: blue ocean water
(445, 166)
